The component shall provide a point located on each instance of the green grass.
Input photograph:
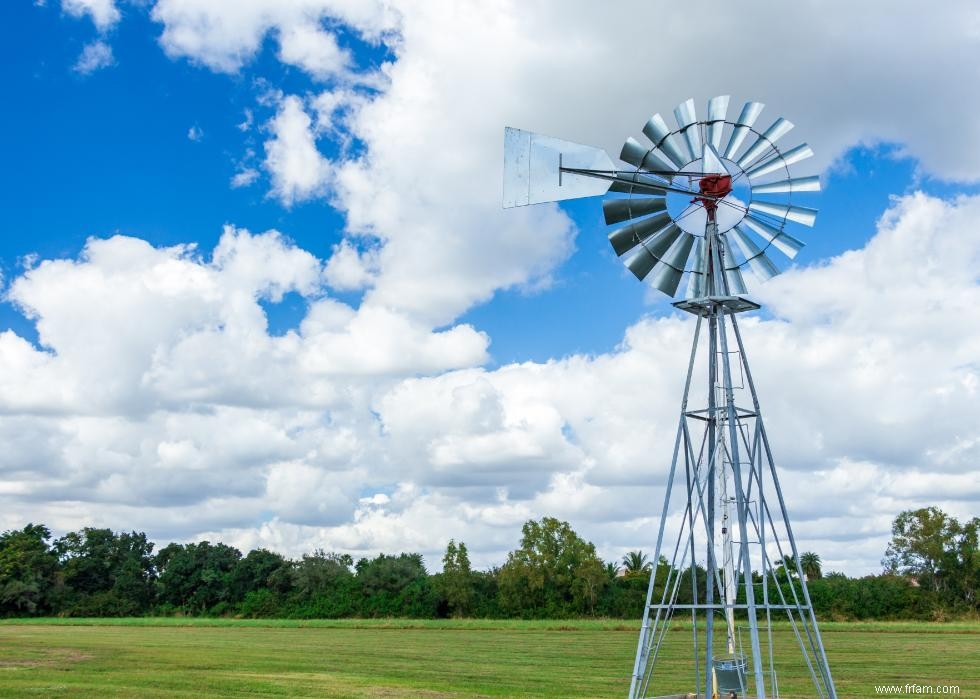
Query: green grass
(431, 658)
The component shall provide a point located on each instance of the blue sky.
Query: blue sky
(408, 358)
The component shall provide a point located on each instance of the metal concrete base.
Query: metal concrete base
(703, 306)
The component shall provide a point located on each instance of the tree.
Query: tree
(810, 562)
(590, 579)
(319, 572)
(939, 552)
(553, 573)
(787, 564)
(636, 563)
(106, 574)
(396, 586)
(28, 570)
(261, 569)
(612, 570)
(197, 577)
(456, 582)
(390, 574)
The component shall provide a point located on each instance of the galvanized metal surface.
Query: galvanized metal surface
(780, 160)
(722, 515)
(541, 168)
(799, 214)
(660, 135)
(687, 119)
(732, 450)
(619, 210)
(765, 220)
(741, 128)
(796, 184)
(765, 142)
(717, 110)
(532, 169)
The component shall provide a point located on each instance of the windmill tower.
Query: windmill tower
(685, 209)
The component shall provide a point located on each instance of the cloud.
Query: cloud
(425, 179)
(94, 56)
(244, 178)
(314, 50)
(851, 391)
(246, 123)
(298, 170)
(195, 133)
(104, 13)
(350, 270)
(418, 162)
(225, 35)
(160, 400)
(157, 361)
(158, 386)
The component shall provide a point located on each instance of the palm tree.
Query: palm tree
(788, 566)
(635, 563)
(612, 570)
(810, 562)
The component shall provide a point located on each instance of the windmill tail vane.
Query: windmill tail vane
(711, 202)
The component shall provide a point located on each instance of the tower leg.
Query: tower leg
(822, 660)
(709, 593)
(741, 507)
(640, 670)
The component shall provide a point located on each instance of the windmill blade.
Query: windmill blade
(638, 182)
(532, 173)
(628, 237)
(793, 155)
(782, 241)
(637, 155)
(736, 282)
(800, 214)
(717, 111)
(624, 186)
(779, 128)
(797, 184)
(762, 267)
(745, 121)
(651, 251)
(711, 161)
(685, 115)
(659, 134)
(667, 273)
(618, 210)
(697, 276)
(733, 273)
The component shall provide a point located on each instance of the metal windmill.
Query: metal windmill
(686, 207)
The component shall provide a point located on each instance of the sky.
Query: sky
(258, 286)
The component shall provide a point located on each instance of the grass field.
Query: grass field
(399, 658)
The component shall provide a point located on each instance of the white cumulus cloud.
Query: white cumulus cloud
(159, 399)
(225, 35)
(244, 178)
(297, 168)
(94, 56)
(156, 362)
(103, 13)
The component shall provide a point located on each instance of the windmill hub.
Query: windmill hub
(725, 206)
(713, 188)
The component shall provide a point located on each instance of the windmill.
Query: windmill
(704, 203)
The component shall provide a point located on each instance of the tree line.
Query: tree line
(931, 571)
